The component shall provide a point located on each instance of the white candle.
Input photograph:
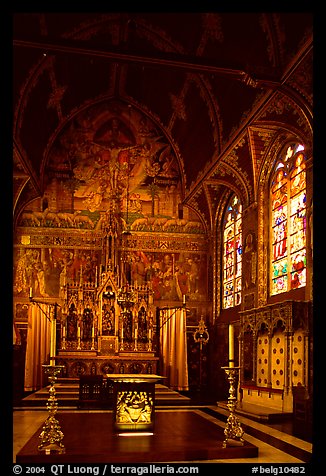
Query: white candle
(150, 334)
(184, 299)
(231, 345)
(93, 331)
(121, 332)
(30, 292)
(136, 333)
(64, 331)
(78, 331)
(53, 341)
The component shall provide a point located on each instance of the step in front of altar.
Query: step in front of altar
(67, 394)
(258, 412)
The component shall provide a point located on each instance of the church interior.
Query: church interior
(163, 237)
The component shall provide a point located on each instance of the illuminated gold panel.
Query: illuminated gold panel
(134, 407)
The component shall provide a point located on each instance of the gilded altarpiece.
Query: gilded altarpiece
(108, 223)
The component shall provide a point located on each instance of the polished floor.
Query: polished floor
(274, 445)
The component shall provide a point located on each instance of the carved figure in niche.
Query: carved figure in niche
(72, 323)
(127, 327)
(249, 262)
(142, 325)
(108, 320)
(87, 324)
(135, 368)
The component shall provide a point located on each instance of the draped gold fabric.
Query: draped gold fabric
(38, 346)
(173, 342)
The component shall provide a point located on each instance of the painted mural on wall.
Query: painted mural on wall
(110, 169)
(46, 270)
(170, 275)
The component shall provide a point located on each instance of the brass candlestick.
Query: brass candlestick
(201, 336)
(63, 343)
(233, 431)
(149, 346)
(51, 436)
(78, 341)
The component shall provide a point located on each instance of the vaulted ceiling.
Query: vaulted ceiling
(198, 76)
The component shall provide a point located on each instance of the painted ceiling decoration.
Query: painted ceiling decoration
(196, 111)
(112, 149)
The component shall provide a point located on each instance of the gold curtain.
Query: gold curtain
(38, 346)
(173, 343)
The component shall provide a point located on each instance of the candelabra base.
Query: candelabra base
(51, 435)
(233, 431)
(231, 442)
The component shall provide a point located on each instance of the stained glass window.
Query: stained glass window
(288, 221)
(232, 253)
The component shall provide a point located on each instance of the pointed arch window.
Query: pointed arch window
(232, 253)
(288, 221)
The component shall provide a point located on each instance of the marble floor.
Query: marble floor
(275, 446)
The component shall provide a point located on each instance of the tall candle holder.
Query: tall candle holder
(233, 431)
(63, 343)
(51, 436)
(63, 335)
(201, 336)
